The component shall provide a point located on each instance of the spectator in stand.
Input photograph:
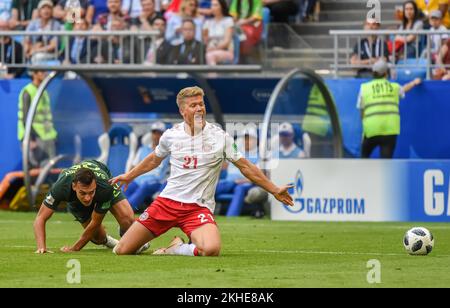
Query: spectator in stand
(411, 21)
(131, 8)
(42, 47)
(247, 15)
(443, 60)
(145, 19)
(100, 8)
(23, 11)
(428, 6)
(78, 45)
(11, 53)
(160, 52)
(288, 147)
(437, 40)
(234, 182)
(309, 10)
(121, 50)
(369, 51)
(5, 12)
(188, 10)
(218, 34)
(190, 51)
(280, 10)
(146, 185)
(104, 21)
(61, 10)
(173, 7)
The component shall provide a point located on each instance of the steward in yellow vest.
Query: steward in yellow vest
(43, 134)
(379, 102)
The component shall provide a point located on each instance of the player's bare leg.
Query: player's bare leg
(205, 242)
(124, 215)
(101, 237)
(134, 240)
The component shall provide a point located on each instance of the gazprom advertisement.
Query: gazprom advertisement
(364, 190)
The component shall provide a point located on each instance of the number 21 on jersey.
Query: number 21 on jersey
(190, 162)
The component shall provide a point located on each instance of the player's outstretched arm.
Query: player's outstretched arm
(254, 174)
(43, 215)
(88, 234)
(148, 164)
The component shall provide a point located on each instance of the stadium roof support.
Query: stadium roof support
(331, 108)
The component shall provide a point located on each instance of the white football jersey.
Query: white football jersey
(195, 162)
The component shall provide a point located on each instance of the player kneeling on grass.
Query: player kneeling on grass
(197, 150)
(89, 197)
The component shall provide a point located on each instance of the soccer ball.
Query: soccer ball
(418, 241)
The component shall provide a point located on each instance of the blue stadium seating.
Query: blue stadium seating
(412, 73)
(121, 148)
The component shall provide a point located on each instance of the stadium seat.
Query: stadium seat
(419, 71)
(118, 148)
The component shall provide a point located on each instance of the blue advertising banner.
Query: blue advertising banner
(364, 190)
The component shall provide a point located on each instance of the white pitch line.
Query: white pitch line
(305, 252)
(343, 253)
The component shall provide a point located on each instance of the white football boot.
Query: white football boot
(175, 243)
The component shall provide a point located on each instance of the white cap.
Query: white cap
(436, 14)
(381, 67)
(159, 126)
(286, 127)
(43, 3)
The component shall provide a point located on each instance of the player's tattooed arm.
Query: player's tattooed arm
(151, 162)
(255, 175)
(43, 215)
(88, 234)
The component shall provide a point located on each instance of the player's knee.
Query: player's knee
(212, 250)
(119, 250)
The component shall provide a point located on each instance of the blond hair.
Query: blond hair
(183, 6)
(189, 92)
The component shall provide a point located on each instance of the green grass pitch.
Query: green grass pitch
(255, 253)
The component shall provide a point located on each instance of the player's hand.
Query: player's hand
(283, 196)
(122, 180)
(42, 251)
(67, 249)
(417, 81)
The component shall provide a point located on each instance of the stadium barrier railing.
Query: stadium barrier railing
(422, 49)
(107, 51)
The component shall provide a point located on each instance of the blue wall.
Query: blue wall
(10, 154)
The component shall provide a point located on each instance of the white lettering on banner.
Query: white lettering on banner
(434, 202)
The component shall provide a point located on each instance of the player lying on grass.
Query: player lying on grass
(89, 197)
(197, 150)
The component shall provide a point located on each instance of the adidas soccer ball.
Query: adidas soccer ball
(418, 241)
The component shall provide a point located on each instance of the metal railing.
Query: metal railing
(421, 48)
(106, 51)
(96, 44)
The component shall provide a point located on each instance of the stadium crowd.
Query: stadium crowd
(432, 15)
(191, 31)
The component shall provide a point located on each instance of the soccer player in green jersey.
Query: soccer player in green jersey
(89, 197)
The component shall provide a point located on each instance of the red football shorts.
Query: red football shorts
(164, 214)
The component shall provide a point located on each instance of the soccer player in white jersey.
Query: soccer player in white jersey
(197, 150)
